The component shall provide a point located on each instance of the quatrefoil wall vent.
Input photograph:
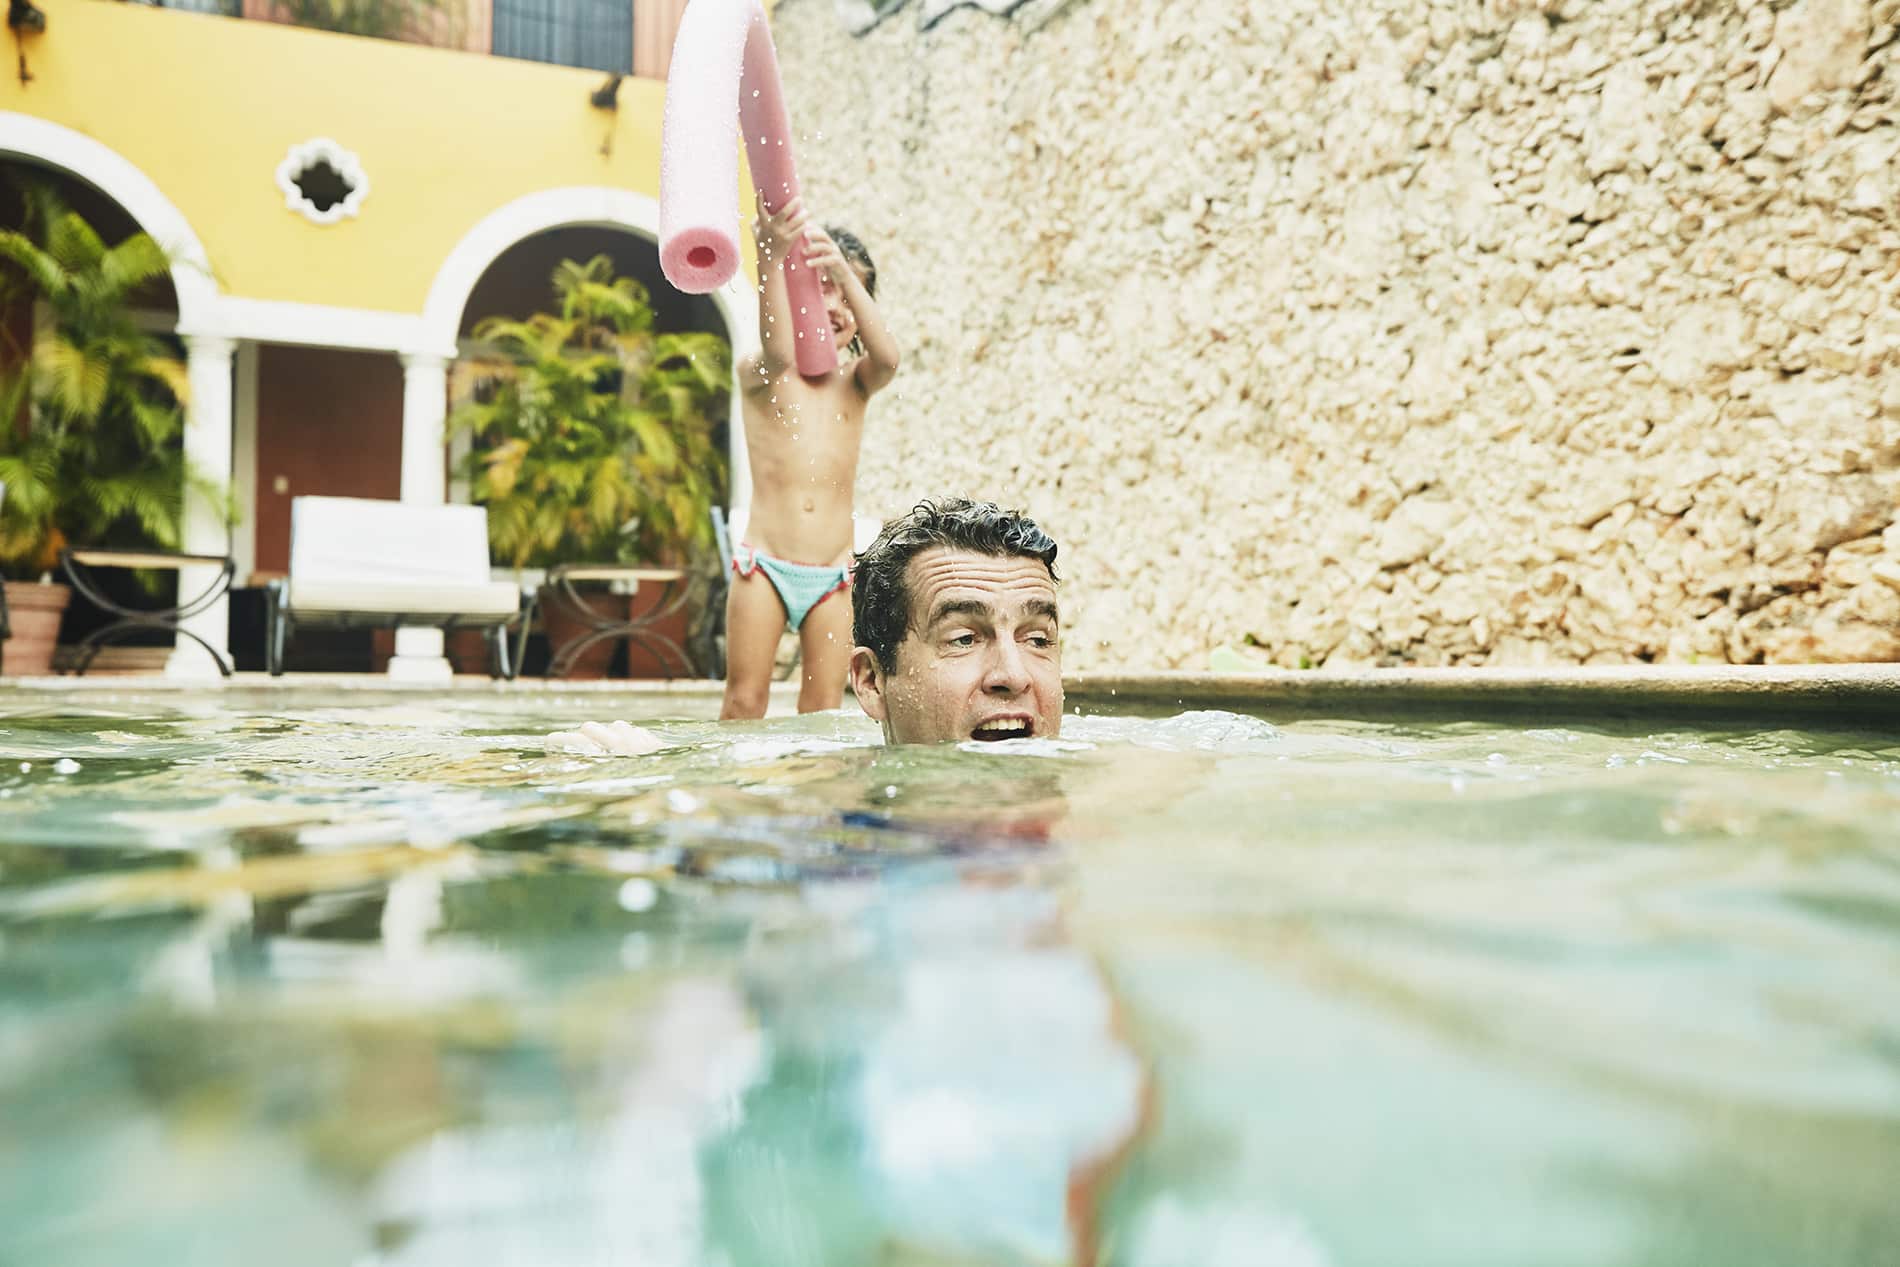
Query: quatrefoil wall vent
(322, 181)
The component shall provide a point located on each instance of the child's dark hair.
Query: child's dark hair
(853, 250)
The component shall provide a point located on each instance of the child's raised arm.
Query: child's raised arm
(777, 236)
(879, 363)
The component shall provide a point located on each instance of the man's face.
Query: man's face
(981, 659)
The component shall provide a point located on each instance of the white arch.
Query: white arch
(114, 175)
(572, 207)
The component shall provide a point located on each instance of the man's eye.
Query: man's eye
(963, 640)
(1042, 640)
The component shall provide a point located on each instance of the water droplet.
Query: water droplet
(65, 765)
(26, 767)
(636, 950)
(638, 895)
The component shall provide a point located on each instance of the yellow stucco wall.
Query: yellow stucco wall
(208, 106)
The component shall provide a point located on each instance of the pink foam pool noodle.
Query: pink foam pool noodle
(722, 59)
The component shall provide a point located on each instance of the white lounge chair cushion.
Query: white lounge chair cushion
(360, 555)
(387, 544)
(490, 599)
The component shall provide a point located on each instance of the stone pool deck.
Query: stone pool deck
(1852, 695)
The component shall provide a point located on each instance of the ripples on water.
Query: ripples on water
(388, 985)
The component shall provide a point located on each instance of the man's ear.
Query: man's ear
(867, 683)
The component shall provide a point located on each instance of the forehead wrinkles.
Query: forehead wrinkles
(939, 575)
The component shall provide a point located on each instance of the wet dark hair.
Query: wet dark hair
(852, 248)
(880, 595)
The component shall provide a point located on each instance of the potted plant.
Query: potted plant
(593, 436)
(91, 418)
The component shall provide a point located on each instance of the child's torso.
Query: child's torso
(802, 441)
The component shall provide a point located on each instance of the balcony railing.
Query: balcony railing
(624, 37)
(594, 33)
(225, 8)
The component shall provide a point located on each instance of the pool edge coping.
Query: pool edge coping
(1834, 693)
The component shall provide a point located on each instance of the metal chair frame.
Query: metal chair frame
(168, 619)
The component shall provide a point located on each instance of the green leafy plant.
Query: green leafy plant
(92, 424)
(593, 435)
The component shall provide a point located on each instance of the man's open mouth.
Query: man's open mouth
(999, 728)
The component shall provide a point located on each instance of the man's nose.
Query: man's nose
(1008, 671)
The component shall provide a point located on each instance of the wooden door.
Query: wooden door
(328, 422)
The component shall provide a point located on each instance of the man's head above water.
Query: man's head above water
(954, 616)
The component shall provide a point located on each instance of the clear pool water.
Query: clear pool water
(331, 981)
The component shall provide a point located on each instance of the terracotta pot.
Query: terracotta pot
(35, 611)
(563, 625)
(641, 662)
(382, 649)
(467, 650)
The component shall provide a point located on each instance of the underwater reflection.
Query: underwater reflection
(911, 1062)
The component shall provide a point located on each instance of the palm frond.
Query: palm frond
(169, 372)
(74, 243)
(44, 276)
(71, 382)
(159, 424)
(131, 264)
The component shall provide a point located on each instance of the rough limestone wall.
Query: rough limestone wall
(1394, 331)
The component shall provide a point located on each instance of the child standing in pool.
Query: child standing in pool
(802, 436)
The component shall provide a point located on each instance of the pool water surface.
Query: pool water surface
(310, 979)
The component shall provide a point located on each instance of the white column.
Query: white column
(425, 409)
(244, 462)
(425, 412)
(208, 453)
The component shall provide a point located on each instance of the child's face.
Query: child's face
(844, 322)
